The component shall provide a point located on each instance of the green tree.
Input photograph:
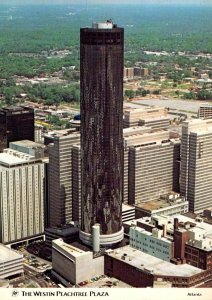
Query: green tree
(190, 95)
(130, 94)
(8, 95)
(204, 95)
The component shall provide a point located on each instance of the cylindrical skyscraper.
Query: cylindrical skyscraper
(101, 79)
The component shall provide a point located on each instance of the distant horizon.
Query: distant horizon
(109, 2)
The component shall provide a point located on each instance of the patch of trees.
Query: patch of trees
(129, 94)
(202, 94)
(29, 67)
(139, 92)
(42, 93)
(53, 94)
(57, 122)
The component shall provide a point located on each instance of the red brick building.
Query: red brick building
(139, 269)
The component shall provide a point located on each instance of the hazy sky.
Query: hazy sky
(108, 1)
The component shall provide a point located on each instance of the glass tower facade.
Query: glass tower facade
(16, 123)
(101, 75)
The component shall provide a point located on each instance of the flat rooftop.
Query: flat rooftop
(154, 143)
(68, 248)
(62, 231)
(147, 137)
(160, 204)
(135, 130)
(202, 131)
(10, 159)
(15, 109)
(155, 118)
(126, 207)
(190, 106)
(154, 265)
(106, 282)
(147, 233)
(62, 133)
(203, 225)
(7, 255)
(198, 125)
(152, 108)
(28, 144)
(205, 105)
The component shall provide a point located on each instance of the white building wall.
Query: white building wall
(153, 170)
(11, 268)
(38, 134)
(196, 164)
(172, 210)
(75, 265)
(144, 241)
(21, 201)
(87, 267)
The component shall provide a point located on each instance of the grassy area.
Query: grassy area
(172, 94)
(74, 105)
(184, 86)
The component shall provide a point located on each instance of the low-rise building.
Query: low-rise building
(144, 71)
(140, 269)
(207, 213)
(137, 71)
(153, 243)
(128, 73)
(28, 147)
(191, 239)
(68, 233)
(11, 262)
(167, 205)
(73, 264)
(132, 116)
(156, 123)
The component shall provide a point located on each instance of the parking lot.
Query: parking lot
(189, 106)
(37, 271)
(33, 262)
(103, 282)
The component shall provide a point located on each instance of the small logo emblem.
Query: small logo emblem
(15, 293)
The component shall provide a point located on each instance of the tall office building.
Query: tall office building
(196, 164)
(16, 123)
(76, 184)
(21, 196)
(137, 136)
(101, 71)
(60, 177)
(153, 169)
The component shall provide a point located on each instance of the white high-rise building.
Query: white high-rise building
(60, 177)
(196, 164)
(21, 196)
